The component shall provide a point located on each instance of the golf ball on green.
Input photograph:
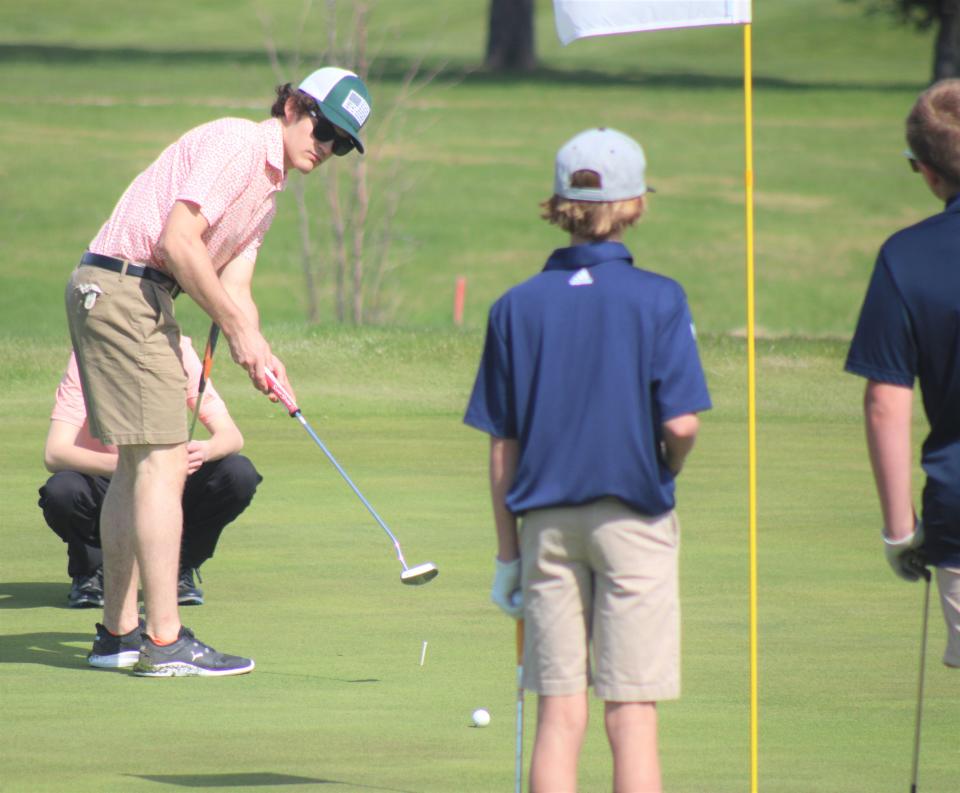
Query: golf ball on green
(480, 717)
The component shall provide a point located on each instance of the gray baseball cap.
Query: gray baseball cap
(615, 157)
(343, 99)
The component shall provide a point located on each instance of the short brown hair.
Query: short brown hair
(933, 129)
(304, 103)
(592, 220)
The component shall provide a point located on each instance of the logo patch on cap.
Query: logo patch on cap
(357, 107)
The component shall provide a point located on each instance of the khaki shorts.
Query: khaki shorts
(948, 584)
(127, 344)
(605, 573)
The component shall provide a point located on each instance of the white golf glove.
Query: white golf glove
(904, 555)
(506, 592)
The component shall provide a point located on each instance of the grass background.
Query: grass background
(304, 581)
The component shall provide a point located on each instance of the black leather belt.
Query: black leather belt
(129, 268)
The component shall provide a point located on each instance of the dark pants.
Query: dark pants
(213, 496)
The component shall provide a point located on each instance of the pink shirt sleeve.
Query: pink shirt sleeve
(69, 405)
(220, 170)
(70, 408)
(256, 239)
(231, 169)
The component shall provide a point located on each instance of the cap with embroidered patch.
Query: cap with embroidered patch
(342, 98)
(616, 158)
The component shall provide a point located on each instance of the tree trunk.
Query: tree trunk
(510, 45)
(946, 53)
(359, 224)
(338, 226)
(306, 254)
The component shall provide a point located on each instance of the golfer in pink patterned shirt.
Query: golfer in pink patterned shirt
(193, 221)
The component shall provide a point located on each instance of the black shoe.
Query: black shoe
(187, 656)
(115, 652)
(188, 593)
(87, 591)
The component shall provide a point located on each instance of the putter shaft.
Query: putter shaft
(287, 399)
(396, 543)
(923, 665)
(518, 759)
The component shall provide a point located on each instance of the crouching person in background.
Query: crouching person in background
(219, 487)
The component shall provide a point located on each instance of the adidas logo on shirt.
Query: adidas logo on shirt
(581, 277)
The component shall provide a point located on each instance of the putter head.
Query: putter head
(421, 574)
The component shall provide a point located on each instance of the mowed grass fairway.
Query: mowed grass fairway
(305, 581)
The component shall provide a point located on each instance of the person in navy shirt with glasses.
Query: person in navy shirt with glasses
(589, 387)
(909, 330)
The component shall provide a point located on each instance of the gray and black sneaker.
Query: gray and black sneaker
(115, 652)
(87, 591)
(188, 593)
(187, 656)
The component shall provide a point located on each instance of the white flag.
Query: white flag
(580, 18)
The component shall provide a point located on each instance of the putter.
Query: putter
(923, 663)
(518, 761)
(413, 576)
(205, 372)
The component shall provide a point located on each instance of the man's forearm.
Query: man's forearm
(185, 255)
(86, 461)
(225, 438)
(679, 437)
(504, 453)
(245, 303)
(193, 269)
(888, 414)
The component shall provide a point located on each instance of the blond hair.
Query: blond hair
(933, 129)
(592, 220)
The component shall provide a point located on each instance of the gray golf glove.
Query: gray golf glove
(904, 555)
(506, 592)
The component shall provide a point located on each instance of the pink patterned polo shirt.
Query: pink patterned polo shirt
(231, 169)
(71, 408)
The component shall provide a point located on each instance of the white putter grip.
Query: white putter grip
(281, 393)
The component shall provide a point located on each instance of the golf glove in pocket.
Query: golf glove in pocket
(904, 555)
(506, 592)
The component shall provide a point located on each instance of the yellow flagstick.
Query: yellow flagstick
(751, 405)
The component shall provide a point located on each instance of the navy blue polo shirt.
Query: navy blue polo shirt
(582, 364)
(909, 328)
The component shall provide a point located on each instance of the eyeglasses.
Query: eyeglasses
(325, 132)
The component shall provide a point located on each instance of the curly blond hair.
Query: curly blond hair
(592, 220)
(933, 129)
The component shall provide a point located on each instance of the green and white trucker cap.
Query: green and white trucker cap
(616, 158)
(342, 97)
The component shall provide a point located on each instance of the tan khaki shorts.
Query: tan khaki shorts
(601, 572)
(948, 584)
(127, 343)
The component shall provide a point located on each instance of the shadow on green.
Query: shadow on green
(259, 779)
(33, 594)
(46, 649)
(396, 69)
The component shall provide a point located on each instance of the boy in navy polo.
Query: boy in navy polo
(909, 328)
(589, 387)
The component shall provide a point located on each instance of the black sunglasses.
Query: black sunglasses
(325, 132)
